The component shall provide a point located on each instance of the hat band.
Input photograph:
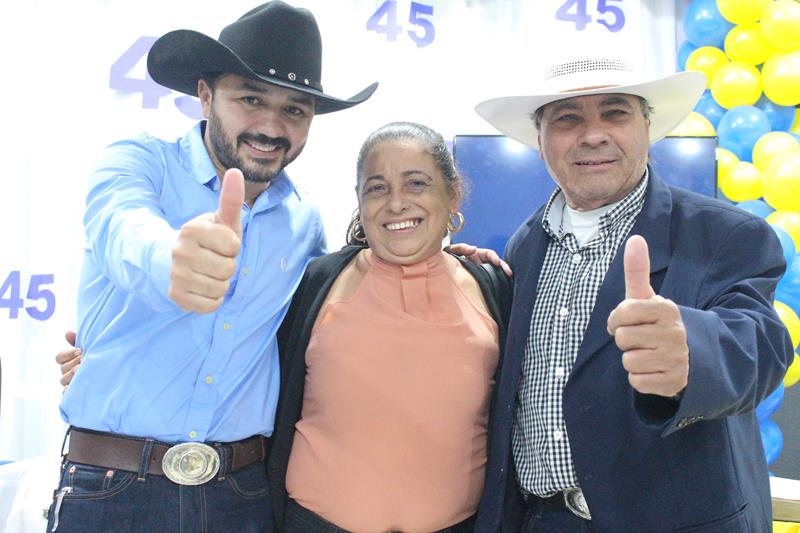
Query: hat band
(292, 77)
(592, 88)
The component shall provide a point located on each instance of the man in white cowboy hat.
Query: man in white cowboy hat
(194, 248)
(628, 388)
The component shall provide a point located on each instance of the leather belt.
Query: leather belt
(117, 452)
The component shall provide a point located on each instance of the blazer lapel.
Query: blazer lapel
(528, 264)
(653, 223)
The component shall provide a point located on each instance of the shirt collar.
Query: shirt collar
(196, 161)
(194, 156)
(628, 206)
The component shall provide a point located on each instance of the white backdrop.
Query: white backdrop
(59, 112)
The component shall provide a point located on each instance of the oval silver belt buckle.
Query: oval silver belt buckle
(576, 503)
(190, 463)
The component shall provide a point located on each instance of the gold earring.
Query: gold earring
(357, 230)
(458, 225)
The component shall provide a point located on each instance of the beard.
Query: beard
(256, 171)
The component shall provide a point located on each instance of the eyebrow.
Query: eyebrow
(404, 174)
(565, 105)
(298, 98)
(572, 105)
(616, 101)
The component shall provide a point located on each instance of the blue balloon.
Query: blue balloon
(780, 117)
(788, 290)
(759, 208)
(787, 243)
(709, 108)
(704, 25)
(772, 439)
(740, 128)
(684, 52)
(770, 405)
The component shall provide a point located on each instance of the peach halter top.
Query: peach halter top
(392, 434)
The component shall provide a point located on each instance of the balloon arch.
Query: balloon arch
(750, 52)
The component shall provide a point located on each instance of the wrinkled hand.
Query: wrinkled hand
(204, 256)
(649, 330)
(479, 255)
(69, 359)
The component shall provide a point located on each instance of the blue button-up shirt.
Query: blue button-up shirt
(151, 369)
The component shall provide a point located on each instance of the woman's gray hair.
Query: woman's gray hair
(431, 141)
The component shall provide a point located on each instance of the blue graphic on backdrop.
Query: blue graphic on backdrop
(423, 36)
(614, 19)
(152, 93)
(11, 299)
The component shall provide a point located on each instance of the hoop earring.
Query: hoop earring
(358, 231)
(458, 225)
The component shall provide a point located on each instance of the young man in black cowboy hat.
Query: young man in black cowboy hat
(194, 248)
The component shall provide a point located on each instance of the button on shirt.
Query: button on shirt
(571, 277)
(151, 369)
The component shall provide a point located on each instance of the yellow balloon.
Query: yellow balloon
(743, 183)
(781, 24)
(788, 220)
(736, 84)
(796, 126)
(790, 320)
(785, 527)
(747, 44)
(726, 162)
(708, 60)
(792, 373)
(781, 78)
(771, 145)
(782, 182)
(742, 11)
(694, 125)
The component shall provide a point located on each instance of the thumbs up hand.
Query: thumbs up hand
(204, 256)
(649, 330)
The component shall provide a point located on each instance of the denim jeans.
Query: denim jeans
(94, 499)
(543, 516)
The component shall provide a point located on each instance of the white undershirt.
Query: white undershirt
(583, 224)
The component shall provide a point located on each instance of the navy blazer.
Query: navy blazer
(645, 462)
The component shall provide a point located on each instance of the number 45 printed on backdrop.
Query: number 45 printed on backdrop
(416, 17)
(611, 16)
(152, 93)
(10, 295)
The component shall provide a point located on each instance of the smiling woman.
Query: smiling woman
(389, 354)
(408, 190)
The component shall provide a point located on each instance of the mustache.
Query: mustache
(260, 138)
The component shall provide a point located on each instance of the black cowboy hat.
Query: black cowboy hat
(275, 43)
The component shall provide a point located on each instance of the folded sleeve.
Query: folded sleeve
(738, 347)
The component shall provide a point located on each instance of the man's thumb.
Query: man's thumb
(231, 198)
(637, 269)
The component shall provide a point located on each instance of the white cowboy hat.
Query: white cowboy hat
(672, 98)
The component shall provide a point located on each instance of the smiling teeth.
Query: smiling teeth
(262, 147)
(402, 225)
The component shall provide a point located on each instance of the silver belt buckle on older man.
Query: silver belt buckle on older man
(576, 503)
(191, 463)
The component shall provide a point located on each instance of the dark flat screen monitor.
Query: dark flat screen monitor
(508, 181)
